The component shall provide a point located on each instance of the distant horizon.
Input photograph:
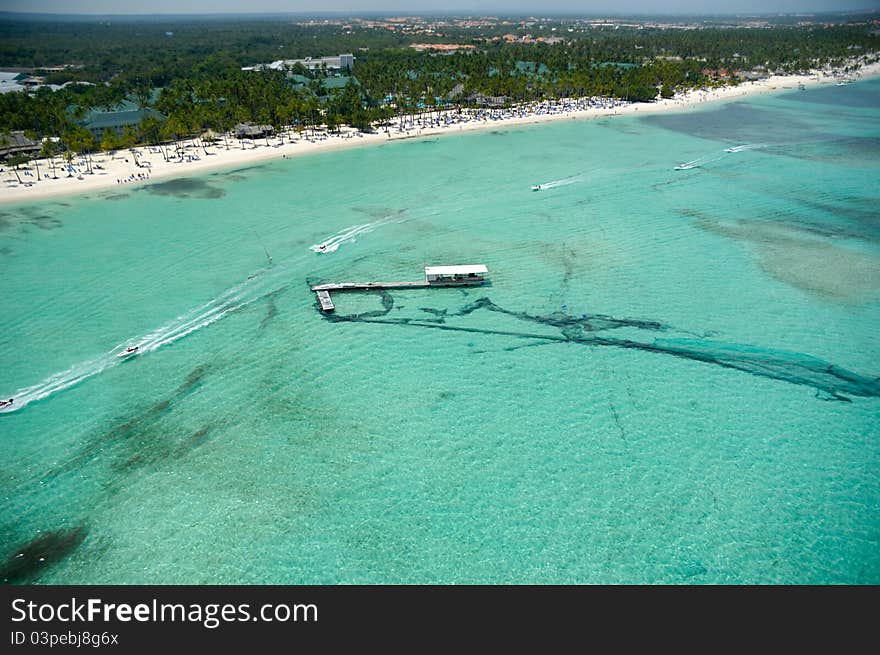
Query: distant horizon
(355, 8)
(439, 12)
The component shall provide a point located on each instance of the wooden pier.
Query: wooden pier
(438, 276)
(324, 300)
(365, 286)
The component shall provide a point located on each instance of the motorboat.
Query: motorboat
(684, 167)
(128, 352)
(4, 403)
(537, 187)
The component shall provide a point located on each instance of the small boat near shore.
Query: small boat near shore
(746, 146)
(129, 352)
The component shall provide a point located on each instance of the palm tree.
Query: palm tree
(16, 161)
(48, 151)
(148, 131)
(86, 145)
(33, 137)
(68, 157)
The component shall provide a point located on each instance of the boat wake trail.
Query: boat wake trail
(696, 163)
(558, 183)
(708, 159)
(747, 146)
(59, 382)
(255, 287)
(350, 234)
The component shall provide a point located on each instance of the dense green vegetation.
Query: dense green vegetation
(197, 64)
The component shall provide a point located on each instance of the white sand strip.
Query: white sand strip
(120, 171)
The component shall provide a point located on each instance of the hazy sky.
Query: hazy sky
(414, 6)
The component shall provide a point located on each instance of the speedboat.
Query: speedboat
(128, 352)
(684, 167)
(536, 187)
(4, 403)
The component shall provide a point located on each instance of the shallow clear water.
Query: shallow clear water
(671, 379)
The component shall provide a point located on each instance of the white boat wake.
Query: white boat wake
(59, 382)
(558, 183)
(252, 289)
(708, 159)
(350, 234)
(747, 146)
(696, 163)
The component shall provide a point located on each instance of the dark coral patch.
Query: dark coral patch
(26, 563)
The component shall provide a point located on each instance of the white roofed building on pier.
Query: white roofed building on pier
(466, 274)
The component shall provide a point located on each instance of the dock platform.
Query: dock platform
(364, 286)
(324, 300)
(437, 276)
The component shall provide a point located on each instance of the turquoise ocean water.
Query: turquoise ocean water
(671, 379)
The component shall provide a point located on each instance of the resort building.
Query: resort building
(16, 143)
(337, 63)
(491, 102)
(125, 114)
(251, 131)
(34, 78)
(313, 64)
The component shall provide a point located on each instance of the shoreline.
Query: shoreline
(119, 170)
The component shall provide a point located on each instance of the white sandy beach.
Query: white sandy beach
(146, 164)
